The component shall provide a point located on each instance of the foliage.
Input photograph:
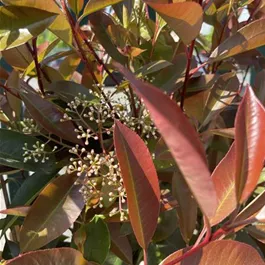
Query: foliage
(126, 124)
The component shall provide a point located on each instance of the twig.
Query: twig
(133, 104)
(4, 189)
(37, 65)
(187, 74)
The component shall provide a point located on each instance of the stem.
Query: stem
(187, 74)
(4, 189)
(9, 90)
(133, 104)
(244, 79)
(76, 31)
(145, 257)
(37, 65)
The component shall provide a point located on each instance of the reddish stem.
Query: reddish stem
(187, 74)
(9, 90)
(145, 257)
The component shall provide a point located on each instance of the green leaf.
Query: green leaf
(247, 38)
(140, 181)
(20, 24)
(49, 117)
(96, 243)
(76, 5)
(28, 191)
(57, 256)
(60, 26)
(54, 211)
(185, 18)
(95, 5)
(153, 67)
(11, 152)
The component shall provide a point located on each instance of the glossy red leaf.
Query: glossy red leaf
(54, 211)
(224, 252)
(249, 144)
(141, 182)
(56, 256)
(224, 181)
(181, 138)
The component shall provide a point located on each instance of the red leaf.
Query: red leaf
(56, 256)
(141, 182)
(181, 138)
(224, 252)
(17, 211)
(224, 181)
(249, 144)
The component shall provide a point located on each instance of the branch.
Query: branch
(9, 90)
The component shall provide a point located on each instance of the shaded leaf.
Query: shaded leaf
(68, 90)
(49, 117)
(226, 252)
(187, 210)
(56, 256)
(95, 240)
(153, 67)
(185, 18)
(53, 212)
(257, 231)
(226, 132)
(182, 140)
(224, 180)
(141, 182)
(249, 144)
(247, 38)
(99, 23)
(20, 24)
(120, 245)
(11, 152)
(221, 95)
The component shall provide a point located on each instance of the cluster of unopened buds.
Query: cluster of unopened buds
(37, 152)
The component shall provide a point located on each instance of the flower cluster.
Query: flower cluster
(29, 126)
(101, 179)
(37, 152)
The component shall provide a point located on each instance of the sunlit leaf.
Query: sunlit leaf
(247, 38)
(20, 24)
(225, 252)
(69, 65)
(17, 211)
(224, 181)
(185, 18)
(54, 211)
(76, 5)
(95, 5)
(49, 117)
(181, 139)
(56, 256)
(249, 144)
(141, 182)
(28, 191)
(60, 26)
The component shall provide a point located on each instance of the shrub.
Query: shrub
(131, 126)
